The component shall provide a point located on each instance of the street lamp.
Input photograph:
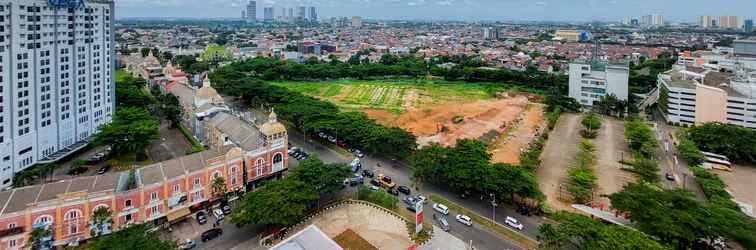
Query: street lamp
(493, 207)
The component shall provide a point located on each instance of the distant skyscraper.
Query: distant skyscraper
(313, 14)
(729, 22)
(244, 15)
(252, 11)
(301, 13)
(706, 22)
(748, 25)
(652, 20)
(634, 22)
(268, 14)
(56, 90)
(356, 22)
(291, 13)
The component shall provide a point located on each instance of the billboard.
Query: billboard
(418, 217)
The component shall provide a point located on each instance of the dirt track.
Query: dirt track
(558, 154)
(508, 148)
(611, 147)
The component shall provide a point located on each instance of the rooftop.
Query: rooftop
(310, 238)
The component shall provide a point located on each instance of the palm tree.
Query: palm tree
(219, 186)
(101, 221)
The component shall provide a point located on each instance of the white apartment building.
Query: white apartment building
(56, 81)
(590, 80)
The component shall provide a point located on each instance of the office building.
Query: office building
(244, 15)
(707, 22)
(291, 13)
(356, 22)
(56, 80)
(252, 11)
(748, 25)
(313, 14)
(729, 22)
(268, 14)
(744, 48)
(634, 22)
(592, 79)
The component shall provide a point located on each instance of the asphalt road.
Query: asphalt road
(481, 237)
(669, 162)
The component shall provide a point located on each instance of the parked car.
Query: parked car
(410, 201)
(368, 173)
(422, 199)
(356, 180)
(669, 177)
(374, 188)
(225, 207)
(392, 191)
(359, 153)
(443, 223)
(201, 218)
(464, 219)
(411, 208)
(218, 214)
(512, 222)
(186, 244)
(403, 189)
(331, 139)
(441, 208)
(211, 234)
(103, 169)
(375, 183)
(322, 135)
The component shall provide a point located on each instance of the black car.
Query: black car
(375, 182)
(103, 169)
(392, 191)
(211, 234)
(368, 173)
(404, 190)
(225, 207)
(201, 218)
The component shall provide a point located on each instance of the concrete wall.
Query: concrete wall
(711, 104)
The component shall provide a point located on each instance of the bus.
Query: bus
(717, 161)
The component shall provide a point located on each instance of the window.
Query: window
(11, 225)
(153, 196)
(12, 243)
(258, 171)
(127, 204)
(154, 210)
(73, 229)
(43, 219)
(128, 218)
(176, 188)
(216, 175)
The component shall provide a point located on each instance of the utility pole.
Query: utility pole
(493, 207)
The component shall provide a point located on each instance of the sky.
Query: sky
(468, 10)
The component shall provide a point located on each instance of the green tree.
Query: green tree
(170, 108)
(736, 142)
(389, 59)
(101, 221)
(280, 203)
(690, 152)
(591, 125)
(131, 131)
(325, 178)
(219, 186)
(676, 217)
(37, 237)
(640, 137)
(575, 231)
(646, 169)
(132, 237)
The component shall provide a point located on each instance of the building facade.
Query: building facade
(748, 25)
(356, 22)
(268, 14)
(729, 22)
(707, 22)
(313, 14)
(591, 80)
(242, 154)
(56, 79)
(692, 95)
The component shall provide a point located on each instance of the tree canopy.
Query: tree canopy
(132, 237)
(279, 203)
(131, 131)
(582, 232)
(735, 142)
(324, 178)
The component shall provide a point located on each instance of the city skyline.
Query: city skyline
(468, 10)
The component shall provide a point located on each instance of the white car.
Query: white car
(218, 213)
(422, 199)
(464, 219)
(441, 209)
(186, 244)
(374, 188)
(512, 222)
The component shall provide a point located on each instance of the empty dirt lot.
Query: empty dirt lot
(558, 154)
(509, 146)
(610, 148)
(740, 183)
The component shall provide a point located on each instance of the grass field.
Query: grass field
(390, 95)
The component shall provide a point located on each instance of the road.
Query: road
(401, 175)
(666, 155)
